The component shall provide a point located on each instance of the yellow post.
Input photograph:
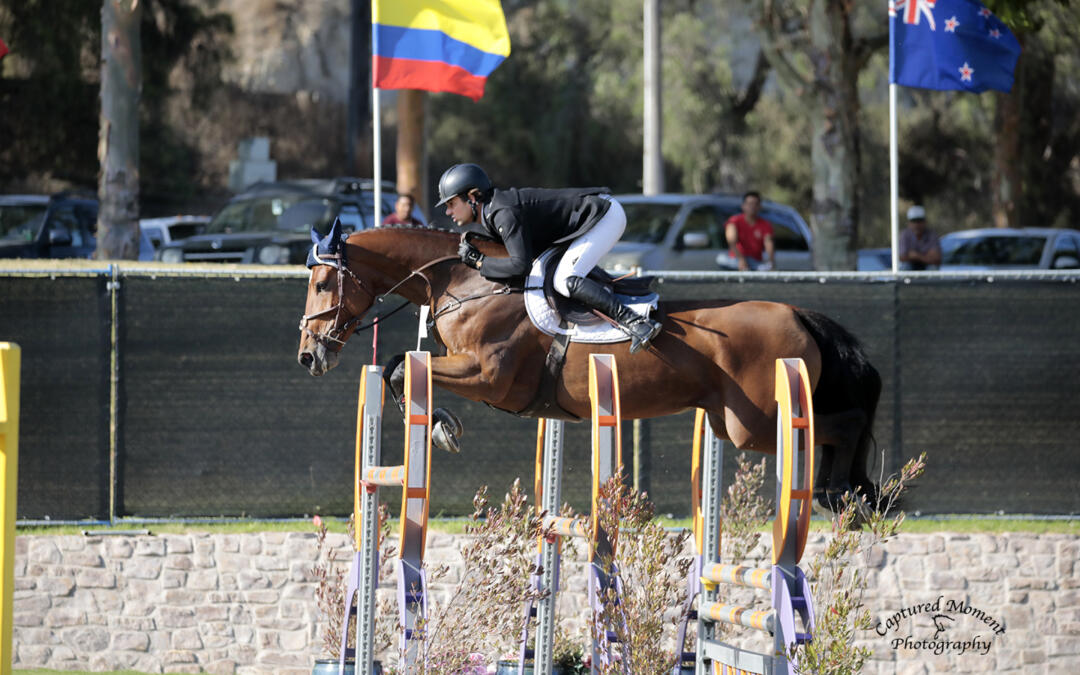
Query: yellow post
(9, 480)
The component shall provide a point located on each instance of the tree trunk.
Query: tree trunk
(410, 145)
(834, 157)
(118, 137)
(1006, 183)
(1007, 179)
(1042, 166)
(1021, 136)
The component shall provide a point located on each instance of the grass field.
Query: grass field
(958, 524)
(44, 671)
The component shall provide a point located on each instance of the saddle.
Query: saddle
(569, 321)
(575, 312)
(557, 315)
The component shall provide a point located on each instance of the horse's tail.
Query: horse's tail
(848, 381)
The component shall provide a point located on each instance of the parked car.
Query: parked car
(1008, 248)
(168, 229)
(270, 223)
(873, 259)
(63, 225)
(686, 232)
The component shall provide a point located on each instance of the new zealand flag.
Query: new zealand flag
(950, 44)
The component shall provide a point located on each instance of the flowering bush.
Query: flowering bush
(838, 581)
(483, 613)
(641, 609)
(329, 572)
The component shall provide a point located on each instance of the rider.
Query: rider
(528, 221)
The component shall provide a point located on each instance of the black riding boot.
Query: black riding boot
(595, 295)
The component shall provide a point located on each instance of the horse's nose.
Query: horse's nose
(306, 359)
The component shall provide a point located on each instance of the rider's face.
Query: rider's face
(460, 210)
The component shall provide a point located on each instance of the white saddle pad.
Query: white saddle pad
(547, 319)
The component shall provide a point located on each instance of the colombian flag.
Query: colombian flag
(437, 45)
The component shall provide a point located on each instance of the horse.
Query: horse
(717, 355)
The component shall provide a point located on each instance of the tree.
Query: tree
(708, 100)
(814, 49)
(118, 137)
(50, 107)
(1022, 113)
(566, 107)
(50, 93)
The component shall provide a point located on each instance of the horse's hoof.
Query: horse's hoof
(825, 502)
(449, 419)
(445, 431)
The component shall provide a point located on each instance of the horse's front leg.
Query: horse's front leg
(462, 374)
(446, 428)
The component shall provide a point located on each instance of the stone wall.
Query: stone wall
(245, 603)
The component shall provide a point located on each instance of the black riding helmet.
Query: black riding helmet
(460, 179)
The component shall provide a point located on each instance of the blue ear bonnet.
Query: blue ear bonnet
(330, 245)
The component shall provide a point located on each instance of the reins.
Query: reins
(404, 303)
(456, 303)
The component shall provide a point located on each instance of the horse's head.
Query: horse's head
(336, 299)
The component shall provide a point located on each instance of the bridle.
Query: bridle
(338, 262)
(337, 332)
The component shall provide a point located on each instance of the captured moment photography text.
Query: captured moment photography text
(943, 616)
(939, 647)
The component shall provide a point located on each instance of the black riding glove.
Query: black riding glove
(470, 255)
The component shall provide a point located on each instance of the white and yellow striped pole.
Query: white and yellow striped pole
(10, 357)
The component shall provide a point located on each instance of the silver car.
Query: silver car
(995, 248)
(686, 232)
(166, 230)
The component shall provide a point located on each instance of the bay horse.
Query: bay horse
(716, 355)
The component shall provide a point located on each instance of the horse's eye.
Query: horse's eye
(320, 286)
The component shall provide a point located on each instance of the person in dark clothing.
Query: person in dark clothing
(528, 221)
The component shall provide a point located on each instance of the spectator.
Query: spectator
(402, 214)
(750, 237)
(919, 245)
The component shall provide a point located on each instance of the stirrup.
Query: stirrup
(640, 339)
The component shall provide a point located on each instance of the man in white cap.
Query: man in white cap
(919, 246)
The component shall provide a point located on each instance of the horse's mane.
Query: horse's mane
(407, 228)
(443, 236)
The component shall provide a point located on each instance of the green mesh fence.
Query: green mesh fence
(215, 417)
(62, 324)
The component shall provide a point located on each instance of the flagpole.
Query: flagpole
(376, 154)
(376, 127)
(894, 180)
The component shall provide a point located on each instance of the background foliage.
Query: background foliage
(564, 109)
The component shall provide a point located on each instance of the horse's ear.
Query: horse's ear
(315, 238)
(334, 239)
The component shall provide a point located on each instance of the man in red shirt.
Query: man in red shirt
(402, 214)
(750, 237)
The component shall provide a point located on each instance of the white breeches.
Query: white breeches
(585, 251)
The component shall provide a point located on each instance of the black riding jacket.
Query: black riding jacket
(528, 221)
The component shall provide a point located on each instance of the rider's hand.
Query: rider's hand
(470, 255)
